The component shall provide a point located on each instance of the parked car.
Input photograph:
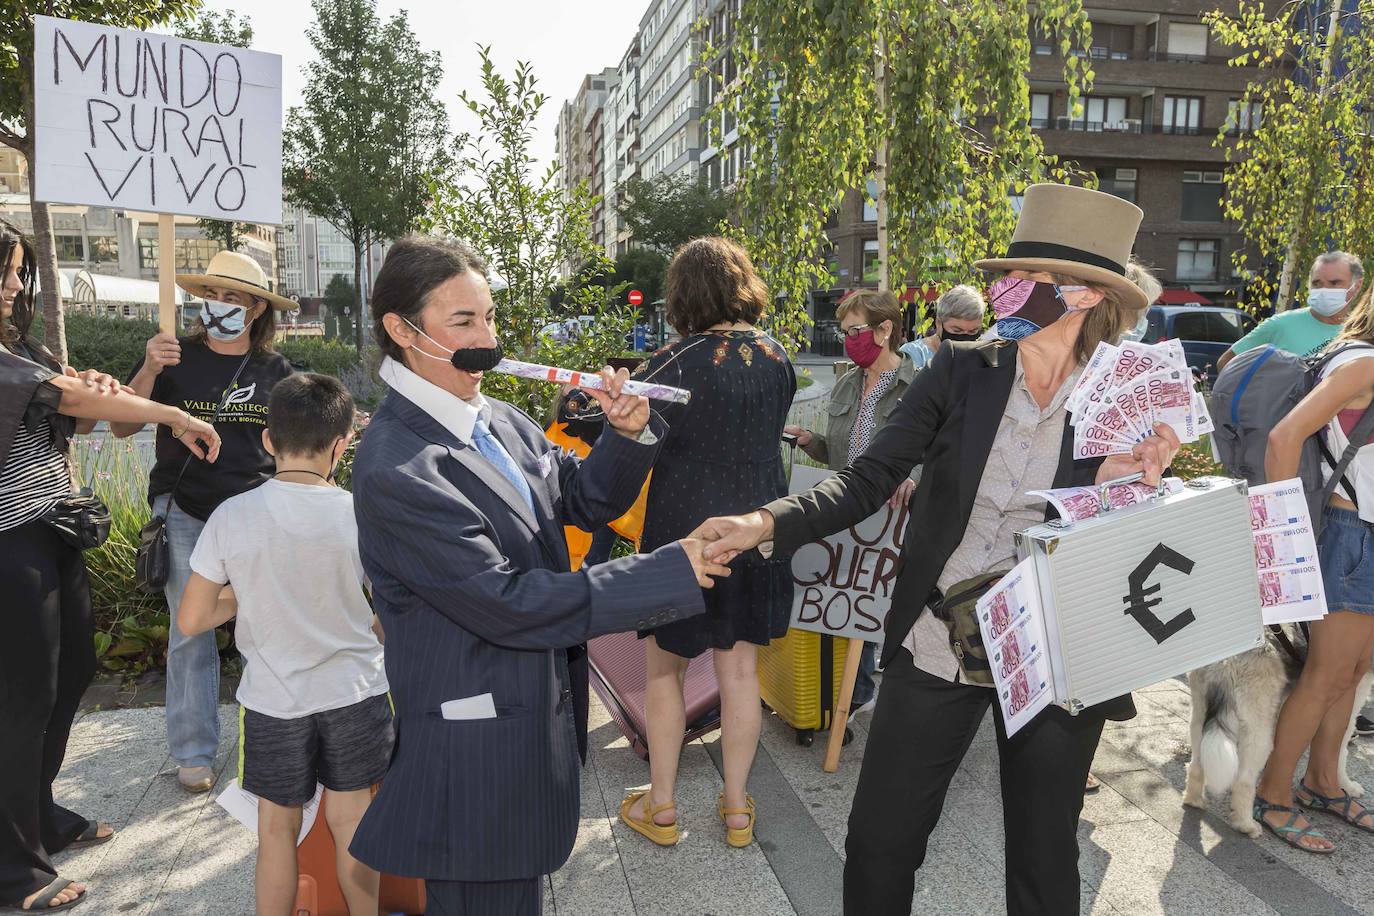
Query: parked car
(1206, 332)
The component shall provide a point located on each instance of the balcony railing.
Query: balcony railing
(1121, 126)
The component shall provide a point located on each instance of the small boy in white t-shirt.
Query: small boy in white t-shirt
(314, 690)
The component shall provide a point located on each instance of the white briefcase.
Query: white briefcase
(1144, 593)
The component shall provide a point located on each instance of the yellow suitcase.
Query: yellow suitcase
(799, 679)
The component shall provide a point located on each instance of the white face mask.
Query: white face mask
(1328, 302)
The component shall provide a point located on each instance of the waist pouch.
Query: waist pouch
(959, 612)
(82, 519)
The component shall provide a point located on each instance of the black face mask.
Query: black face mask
(467, 359)
(476, 359)
(950, 335)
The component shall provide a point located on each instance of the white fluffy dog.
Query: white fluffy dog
(1235, 709)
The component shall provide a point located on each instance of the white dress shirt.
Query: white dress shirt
(448, 410)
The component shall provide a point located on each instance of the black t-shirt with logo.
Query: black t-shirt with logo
(197, 385)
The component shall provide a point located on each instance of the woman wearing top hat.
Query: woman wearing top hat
(988, 421)
(233, 335)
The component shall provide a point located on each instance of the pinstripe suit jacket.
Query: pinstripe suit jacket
(475, 596)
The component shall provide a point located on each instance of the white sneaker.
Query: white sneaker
(196, 779)
(864, 707)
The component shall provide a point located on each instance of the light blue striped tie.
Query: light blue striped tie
(492, 451)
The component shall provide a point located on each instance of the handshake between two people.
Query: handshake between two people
(717, 541)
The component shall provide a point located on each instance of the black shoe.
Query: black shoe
(1364, 727)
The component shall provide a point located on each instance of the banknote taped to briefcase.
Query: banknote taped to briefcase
(1135, 595)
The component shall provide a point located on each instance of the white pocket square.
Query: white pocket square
(478, 707)
(546, 464)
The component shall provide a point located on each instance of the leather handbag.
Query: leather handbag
(153, 564)
(81, 519)
(959, 612)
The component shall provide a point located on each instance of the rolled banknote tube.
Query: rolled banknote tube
(590, 380)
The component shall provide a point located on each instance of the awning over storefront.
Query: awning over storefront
(1182, 297)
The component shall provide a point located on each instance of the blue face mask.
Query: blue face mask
(224, 322)
(1327, 302)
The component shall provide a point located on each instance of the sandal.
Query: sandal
(738, 837)
(1091, 785)
(1290, 834)
(46, 896)
(91, 835)
(662, 834)
(1338, 805)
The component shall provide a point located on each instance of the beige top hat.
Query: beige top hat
(1075, 231)
(231, 270)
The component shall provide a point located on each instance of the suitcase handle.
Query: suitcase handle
(1104, 504)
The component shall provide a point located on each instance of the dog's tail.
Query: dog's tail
(1220, 757)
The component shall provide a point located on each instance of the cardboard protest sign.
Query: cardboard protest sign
(843, 584)
(140, 121)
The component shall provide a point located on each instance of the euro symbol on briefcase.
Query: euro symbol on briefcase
(1138, 604)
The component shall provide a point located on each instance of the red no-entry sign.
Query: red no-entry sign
(636, 297)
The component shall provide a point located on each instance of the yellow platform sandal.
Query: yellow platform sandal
(662, 834)
(738, 837)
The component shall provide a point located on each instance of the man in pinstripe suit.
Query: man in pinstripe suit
(460, 502)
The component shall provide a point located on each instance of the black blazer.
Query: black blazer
(946, 421)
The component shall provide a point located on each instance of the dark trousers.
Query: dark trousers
(521, 897)
(47, 659)
(922, 727)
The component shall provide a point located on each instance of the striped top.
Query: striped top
(35, 476)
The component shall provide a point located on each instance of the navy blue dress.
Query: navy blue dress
(723, 456)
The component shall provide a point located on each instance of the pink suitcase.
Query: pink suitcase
(617, 675)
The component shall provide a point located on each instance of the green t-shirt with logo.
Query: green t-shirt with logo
(1297, 331)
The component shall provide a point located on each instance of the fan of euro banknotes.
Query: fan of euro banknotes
(1125, 390)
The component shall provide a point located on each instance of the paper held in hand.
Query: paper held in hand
(591, 381)
(1012, 623)
(242, 806)
(1290, 579)
(1125, 390)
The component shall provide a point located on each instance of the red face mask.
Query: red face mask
(862, 348)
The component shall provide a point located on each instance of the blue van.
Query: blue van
(1206, 332)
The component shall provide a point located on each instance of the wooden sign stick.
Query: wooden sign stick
(167, 273)
(841, 716)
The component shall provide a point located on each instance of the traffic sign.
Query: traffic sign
(636, 297)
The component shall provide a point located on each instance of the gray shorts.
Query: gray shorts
(345, 749)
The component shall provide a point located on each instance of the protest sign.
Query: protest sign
(842, 585)
(140, 121)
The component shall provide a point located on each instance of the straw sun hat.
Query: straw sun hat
(1075, 231)
(231, 270)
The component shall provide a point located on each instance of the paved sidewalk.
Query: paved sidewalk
(1142, 852)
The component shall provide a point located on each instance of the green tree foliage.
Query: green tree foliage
(935, 90)
(17, 110)
(339, 296)
(669, 210)
(1301, 182)
(371, 136)
(516, 214)
(222, 29)
(641, 269)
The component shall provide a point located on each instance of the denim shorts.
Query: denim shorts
(1346, 552)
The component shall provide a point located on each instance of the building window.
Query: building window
(1202, 194)
(1111, 42)
(1040, 109)
(104, 249)
(871, 202)
(871, 261)
(1182, 114)
(1120, 182)
(1041, 44)
(1187, 41)
(1101, 113)
(69, 248)
(1197, 259)
(1242, 116)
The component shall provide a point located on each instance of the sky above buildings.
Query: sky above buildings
(563, 39)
